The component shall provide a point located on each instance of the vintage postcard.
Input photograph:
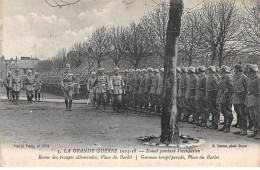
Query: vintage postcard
(130, 83)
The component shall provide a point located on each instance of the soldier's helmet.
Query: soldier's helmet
(137, 70)
(144, 70)
(29, 71)
(16, 70)
(156, 70)
(68, 65)
(192, 69)
(93, 73)
(202, 68)
(253, 67)
(225, 69)
(115, 69)
(126, 71)
(9, 72)
(36, 73)
(184, 70)
(212, 68)
(149, 69)
(162, 69)
(178, 69)
(239, 67)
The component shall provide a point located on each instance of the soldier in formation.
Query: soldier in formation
(29, 84)
(8, 85)
(16, 83)
(38, 87)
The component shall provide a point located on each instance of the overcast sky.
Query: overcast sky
(32, 27)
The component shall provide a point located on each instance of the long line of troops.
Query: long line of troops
(201, 91)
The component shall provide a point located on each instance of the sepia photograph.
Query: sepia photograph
(129, 83)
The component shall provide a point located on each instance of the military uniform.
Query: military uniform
(101, 90)
(8, 86)
(225, 93)
(117, 86)
(182, 91)
(153, 90)
(159, 92)
(131, 90)
(38, 87)
(240, 91)
(16, 82)
(190, 95)
(212, 88)
(148, 86)
(127, 89)
(142, 90)
(29, 87)
(252, 101)
(200, 98)
(67, 83)
(77, 87)
(136, 89)
(91, 89)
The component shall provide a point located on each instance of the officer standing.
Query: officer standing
(132, 87)
(67, 85)
(225, 93)
(190, 94)
(91, 89)
(38, 86)
(102, 87)
(240, 91)
(29, 85)
(77, 87)
(153, 90)
(212, 87)
(182, 91)
(200, 97)
(253, 98)
(16, 82)
(8, 85)
(117, 86)
(159, 92)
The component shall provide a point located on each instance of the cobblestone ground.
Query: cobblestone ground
(49, 123)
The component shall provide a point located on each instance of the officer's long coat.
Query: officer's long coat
(191, 87)
(183, 85)
(154, 86)
(239, 89)
(225, 89)
(67, 80)
(252, 97)
(16, 82)
(29, 83)
(117, 84)
(201, 87)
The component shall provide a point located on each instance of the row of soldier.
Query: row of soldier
(201, 92)
(15, 83)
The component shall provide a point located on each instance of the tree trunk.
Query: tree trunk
(169, 124)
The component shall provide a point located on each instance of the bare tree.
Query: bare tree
(61, 3)
(139, 43)
(116, 44)
(251, 31)
(98, 45)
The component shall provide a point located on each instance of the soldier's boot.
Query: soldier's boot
(17, 100)
(70, 104)
(98, 103)
(119, 107)
(67, 104)
(104, 105)
(252, 135)
(223, 128)
(224, 122)
(243, 133)
(229, 122)
(39, 97)
(214, 122)
(237, 132)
